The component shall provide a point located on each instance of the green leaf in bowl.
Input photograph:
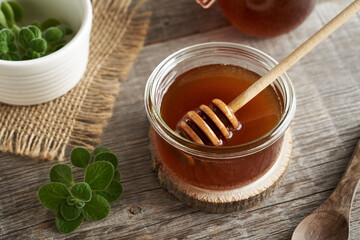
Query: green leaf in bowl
(3, 22)
(25, 36)
(17, 10)
(8, 13)
(54, 34)
(48, 23)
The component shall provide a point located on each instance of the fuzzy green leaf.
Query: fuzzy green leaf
(69, 212)
(3, 47)
(25, 57)
(36, 24)
(9, 56)
(54, 34)
(117, 176)
(58, 47)
(67, 226)
(81, 191)
(65, 29)
(8, 13)
(52, 195)
(25, 36)
(100, 149)
(61, 173)
(7, 36)
(5, 56)
(71, 200)
(38, 45)
(79, 204)
(14, 57)
(80, 157)
(113, 192)
(99, 175)
(31, 54)
(48, 23)
(36, 31)
(108, 157)
(3, 22)
(36, 55)
(98, 208)
(17, 10)
(12, 48)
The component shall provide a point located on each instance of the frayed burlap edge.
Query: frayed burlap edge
(89, 123)
(118, 35)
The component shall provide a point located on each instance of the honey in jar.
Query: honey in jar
(195, 76)
(199, 86)
(203, 84)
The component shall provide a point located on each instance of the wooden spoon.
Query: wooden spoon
(194, 125)
(330, 221)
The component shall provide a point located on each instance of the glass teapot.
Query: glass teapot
(264, 18)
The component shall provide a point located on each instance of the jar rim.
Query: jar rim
(212, 152)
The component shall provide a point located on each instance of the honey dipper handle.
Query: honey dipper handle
(295, 56)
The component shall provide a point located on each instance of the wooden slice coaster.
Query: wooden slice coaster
(226, 200)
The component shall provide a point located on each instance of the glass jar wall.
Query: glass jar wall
(206, 166)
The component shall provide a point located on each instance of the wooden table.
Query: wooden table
(325, 130)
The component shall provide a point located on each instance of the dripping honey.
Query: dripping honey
(199, 86)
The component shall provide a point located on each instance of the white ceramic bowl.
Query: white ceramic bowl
(40, 80)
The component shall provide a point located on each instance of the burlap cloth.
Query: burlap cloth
(79, 117)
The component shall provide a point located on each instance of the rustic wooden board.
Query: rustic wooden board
(174, 19)
(325, 131)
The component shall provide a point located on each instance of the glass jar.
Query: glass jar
(264, 18)
(209, 167)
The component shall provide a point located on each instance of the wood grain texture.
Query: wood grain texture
(330, 221)
(342, 197)
(174, 19)
(325, 130)
(294, 56)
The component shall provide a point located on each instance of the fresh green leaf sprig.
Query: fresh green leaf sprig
(91, 198)
(28, 42)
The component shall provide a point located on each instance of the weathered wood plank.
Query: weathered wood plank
(325, 130)
(174, 19)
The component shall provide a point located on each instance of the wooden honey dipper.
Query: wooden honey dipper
(229, 110)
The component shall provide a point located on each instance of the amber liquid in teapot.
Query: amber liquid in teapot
(266, 18)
